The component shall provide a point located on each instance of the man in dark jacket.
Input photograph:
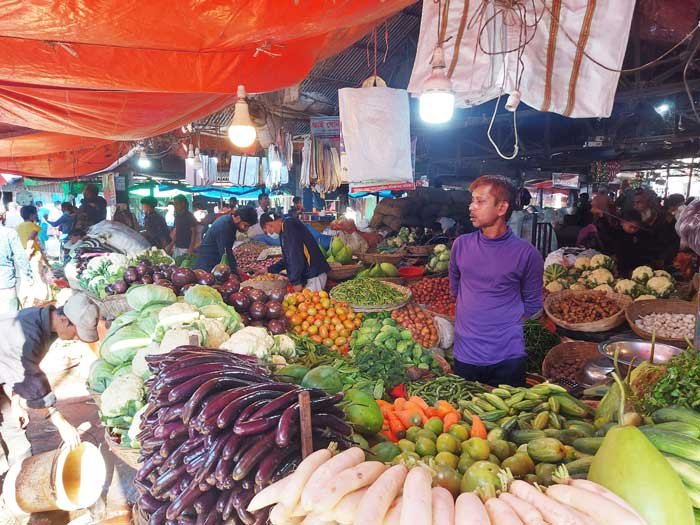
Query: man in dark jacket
(301, 256)
(221, 235)
(156, 229)
(93, 209)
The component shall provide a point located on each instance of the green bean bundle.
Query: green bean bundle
(367, 292)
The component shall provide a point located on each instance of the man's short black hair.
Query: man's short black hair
(27, 211)
(180, 198)
(262, 196)
(232, 202)
(247, 214)
(77, 232)
(632, 216)
(268, 217)
(296, 199)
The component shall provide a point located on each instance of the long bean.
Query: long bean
(367, 292)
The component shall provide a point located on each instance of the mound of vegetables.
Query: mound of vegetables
(367, 292)
(156, 324)
(216, 430)
(259, 308)
(435, 294)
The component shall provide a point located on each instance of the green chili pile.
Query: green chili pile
(451, 388)
(367, 292)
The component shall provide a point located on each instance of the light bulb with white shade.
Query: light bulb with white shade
(437, 102)
(241, 131)
(143, 162)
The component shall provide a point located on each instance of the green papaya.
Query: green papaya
(629, 465)
(336, 246)
(388, 269)
(291, 374)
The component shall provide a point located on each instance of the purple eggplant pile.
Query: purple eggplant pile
(217, 430)
(259, 308)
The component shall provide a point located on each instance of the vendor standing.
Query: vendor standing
(306, 266)
(221, 235)
(497, 280)
(155, 228)
(27, 336)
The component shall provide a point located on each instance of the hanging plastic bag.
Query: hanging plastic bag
(376, 123)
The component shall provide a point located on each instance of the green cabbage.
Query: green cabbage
(100, 376)
(201, 295)
(121, 345)
(140, 297)
(224, 313)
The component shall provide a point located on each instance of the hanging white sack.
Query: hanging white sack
(375, 123)
(555, 41)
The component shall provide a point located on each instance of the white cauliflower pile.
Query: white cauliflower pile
(642, 274)
(598, 277)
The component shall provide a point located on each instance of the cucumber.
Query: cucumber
(681, 428)
(588, 445)
(674, 443)
(688, 471)
(521, 437)
(685, 415)
(588, 429)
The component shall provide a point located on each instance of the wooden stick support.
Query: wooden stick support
(307, 443)
(194, 340)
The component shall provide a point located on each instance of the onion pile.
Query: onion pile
(419, 322)
(435, 294)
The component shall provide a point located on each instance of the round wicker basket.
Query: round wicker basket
(128, 455)
(570, 350)
(602, 325)
(111, 306)
(394, 280)
(420, 251)
(342, 272)
(375, 257)
(660, 306)
(384, 308)
(266, 286)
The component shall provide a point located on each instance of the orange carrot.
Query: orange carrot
(395, 424)
(399, 403)
(406, 416)
(383, 403)
(420, 402)
(389, 435)
(432, 412)
(450, 419)
(415, 408)
(385, 407)
(478, 428)
(444, 408)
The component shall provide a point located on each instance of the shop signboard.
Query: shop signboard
(325, 127)
(566, 180)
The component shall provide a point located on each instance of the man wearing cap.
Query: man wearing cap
(26, 338)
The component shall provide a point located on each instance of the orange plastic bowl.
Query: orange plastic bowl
(411, 272)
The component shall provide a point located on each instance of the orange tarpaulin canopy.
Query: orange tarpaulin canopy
(126, 70)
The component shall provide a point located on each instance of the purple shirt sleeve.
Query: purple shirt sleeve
(531, 284)
(454, 270)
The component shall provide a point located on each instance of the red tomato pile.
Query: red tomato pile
(435, 294)
(419, 322)
(324, 320)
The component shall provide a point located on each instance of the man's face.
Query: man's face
(630, 227)
(484, 210)
(640, 203)
(272, 227)
(242, 225)
(265, 203)
(180, 206)
(147, 208)
(65, 329)
(299, 206)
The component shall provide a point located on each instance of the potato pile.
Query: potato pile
(585, 307)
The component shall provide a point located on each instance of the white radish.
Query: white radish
(592, 486)
(347, 481)
(552, 511)
(393, 517)
(322, 477)
(374, 506)
(599, 507)
(298, 480)
(527, 513)
(279, 515)
(470, 511)
(416, 507)
(443, 507)
(270, 495)
(346, 509)
(500, 512)
(314, 519)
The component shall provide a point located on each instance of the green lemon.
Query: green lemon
(425, 433)
(412, 433)
(447, 478)
(478, 448)
(406, 445)
(460, 432)
(448, 459)
(447, 443)
(465, 461)
(500, 449)
(434, 424)
(425, 447)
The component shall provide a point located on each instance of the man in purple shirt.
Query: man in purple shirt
(497, 280)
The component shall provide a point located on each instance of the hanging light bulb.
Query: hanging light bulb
(144, 162)
(437, 102)
(241, 131)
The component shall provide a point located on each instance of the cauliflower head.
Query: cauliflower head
(598, 277)
(627, 287)
(251, 340)
(660, 286)
(582, 263)
(604, 288)
(645, 297)
(663, 273)
(285, 347)
(642, 274)
(216, 332)
(601, 261)
(121, 390)
(177, 313)
(554, 286)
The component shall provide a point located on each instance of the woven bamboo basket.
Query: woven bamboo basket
(111, 306)
(375, 257)
(394, 280)
(128, 455)
(266, 286)
(420, 251)
(660, 306)
(602, 325)
(343, 272)
(570, 350)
